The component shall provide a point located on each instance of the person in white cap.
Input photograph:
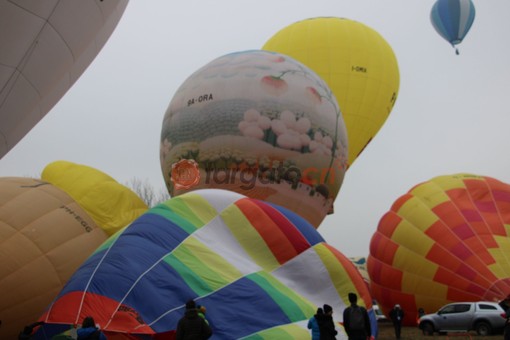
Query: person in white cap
(396, 316)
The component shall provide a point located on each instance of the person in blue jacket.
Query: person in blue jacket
(89, 331)
(313, 324)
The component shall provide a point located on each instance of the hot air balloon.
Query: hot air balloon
(258, 268)
(356, 62)
(46, 234)
(452, 19)
(444, 241)
(261, 124)
(44, 48)
(110, 204)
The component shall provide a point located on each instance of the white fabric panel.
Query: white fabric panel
(218, 198)
(307, 275)
(217, 236)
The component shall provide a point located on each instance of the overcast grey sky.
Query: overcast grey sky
(451, 115)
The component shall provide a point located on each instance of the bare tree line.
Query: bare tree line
(148, 194)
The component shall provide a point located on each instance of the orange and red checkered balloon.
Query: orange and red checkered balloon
(445, 240)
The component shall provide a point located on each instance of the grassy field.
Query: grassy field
(386, 332)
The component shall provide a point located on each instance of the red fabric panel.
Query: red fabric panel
(281, 247)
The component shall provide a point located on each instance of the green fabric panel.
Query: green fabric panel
(189, 225)
(285, 332)
(193, 280)
(293, 305)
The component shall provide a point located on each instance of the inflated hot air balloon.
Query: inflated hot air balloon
(452, 19)
(44, 48)
(259, 269)
(47, 231)
(261, 124)
(110, 204)
(446, 240)
(356, 62)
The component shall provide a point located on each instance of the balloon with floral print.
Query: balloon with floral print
(261, 124)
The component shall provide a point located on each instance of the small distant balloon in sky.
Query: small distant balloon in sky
(355, 61)
(260, 270)
(45, 46)
(446, 240)
(261, 124)
(452, 19)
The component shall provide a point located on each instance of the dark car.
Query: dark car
(484, 317)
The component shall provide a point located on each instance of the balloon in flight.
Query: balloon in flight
(356, 62)
(446, 240)
(261, 124)
(258, 268)
(452, 19)
(44, 48)
(47, 232)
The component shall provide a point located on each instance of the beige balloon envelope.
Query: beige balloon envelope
(44, 236)
(47, 230)
(44, 48)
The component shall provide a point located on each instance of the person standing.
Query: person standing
(89, 330)
(356, 320)
(327, 325)
(505, 304)
(313, 324)
(396, 316)
(191, 326)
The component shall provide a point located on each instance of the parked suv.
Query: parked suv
(484, 317)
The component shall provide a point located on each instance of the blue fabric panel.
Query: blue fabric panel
(241, 303)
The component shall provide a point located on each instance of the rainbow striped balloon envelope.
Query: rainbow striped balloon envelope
(444, 241)
(260, 270)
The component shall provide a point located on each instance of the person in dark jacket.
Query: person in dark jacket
(327, 325)
(356, 328)
(89, 331)
(396, 316)
(191, 326)
(28, 330)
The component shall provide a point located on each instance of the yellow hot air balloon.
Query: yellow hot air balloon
(111, 204)
(357, 64)
(48, 228)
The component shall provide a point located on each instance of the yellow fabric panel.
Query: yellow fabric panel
(357, 64)
(408, 261)
(418, 285)
(455, 181)
(200, 207)
(249, 238)
(501, 255)
(415, 212)
(431, 194)
(211, 267)
(408, 236)
(339, 276)
(111, 204)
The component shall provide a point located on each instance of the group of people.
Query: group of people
(356, 322)
(87, 331)
(193, 325)
(322, 324)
